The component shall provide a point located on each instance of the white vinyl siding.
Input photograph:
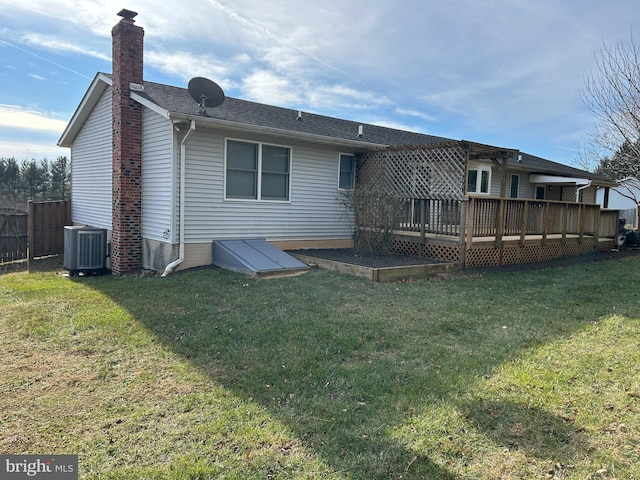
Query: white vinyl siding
(157, 178)
(312, 213)
(91, 155)
(526, 189)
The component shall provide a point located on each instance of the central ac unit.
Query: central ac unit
(85, 249)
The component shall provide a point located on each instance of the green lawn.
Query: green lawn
(210, 374)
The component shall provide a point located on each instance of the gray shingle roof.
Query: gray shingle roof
(177, 100)
(535, 164)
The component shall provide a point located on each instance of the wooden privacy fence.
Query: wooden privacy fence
(36, 233)
(13, 235)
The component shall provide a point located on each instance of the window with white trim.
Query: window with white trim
(347, 171)
(479, 180)
(257, 171)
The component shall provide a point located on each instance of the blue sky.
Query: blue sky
(505, 73)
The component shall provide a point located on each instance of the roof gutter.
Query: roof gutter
(216, 122)
(183, 151)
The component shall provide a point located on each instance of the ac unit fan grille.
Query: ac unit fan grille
(90, 250)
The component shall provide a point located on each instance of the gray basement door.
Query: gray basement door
(254, 256)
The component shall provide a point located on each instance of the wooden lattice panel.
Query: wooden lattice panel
(552, 251)
(575, 247)
(404, 247)
(514, 253)
(528, 253)
(438, 251)
(482, 257)
(421, 171)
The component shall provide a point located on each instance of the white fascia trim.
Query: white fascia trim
(215, 122)
(150, 105)
(537, 178)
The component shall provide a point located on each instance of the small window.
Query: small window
(479, 180)
(256, 171)
(347, 172)
(515, 184)
(540, 193)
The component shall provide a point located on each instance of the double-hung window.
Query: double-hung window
(479, 180)
(257, 171)
(347, 171)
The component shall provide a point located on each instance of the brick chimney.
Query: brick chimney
(126, 240)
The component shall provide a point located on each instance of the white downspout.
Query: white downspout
(183, 151)
(582, 188)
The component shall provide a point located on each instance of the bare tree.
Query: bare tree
(612, 93)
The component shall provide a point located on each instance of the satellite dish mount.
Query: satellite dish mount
(206, 93)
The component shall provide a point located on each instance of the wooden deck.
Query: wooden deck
(493, 238)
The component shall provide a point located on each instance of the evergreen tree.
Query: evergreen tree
(9, 181)
(60, 179)
(623, 164)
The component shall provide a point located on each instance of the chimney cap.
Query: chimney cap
(128, 14)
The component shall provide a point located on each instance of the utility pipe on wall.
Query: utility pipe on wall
(183, 151)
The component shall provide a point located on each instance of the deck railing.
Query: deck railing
(502, 217)
(431, 216)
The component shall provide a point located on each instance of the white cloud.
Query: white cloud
(12, 116)
(267, 87)
(57, 45)
(416, 113)
(29, 149)
(186, 65)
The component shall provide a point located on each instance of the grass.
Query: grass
(210, 374)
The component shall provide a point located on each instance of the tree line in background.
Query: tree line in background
(33, 180)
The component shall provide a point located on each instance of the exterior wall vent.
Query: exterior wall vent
(85, 249)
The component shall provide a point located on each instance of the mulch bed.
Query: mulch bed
(346, 255)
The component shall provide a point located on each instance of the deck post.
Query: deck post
(470, 223)
(423, 219)
(525, 221)
(500, 222)
(462, 232)
(598, 226)
(565, 222)
(580, 223)
(545, 222)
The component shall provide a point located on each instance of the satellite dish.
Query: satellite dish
(206, 93)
